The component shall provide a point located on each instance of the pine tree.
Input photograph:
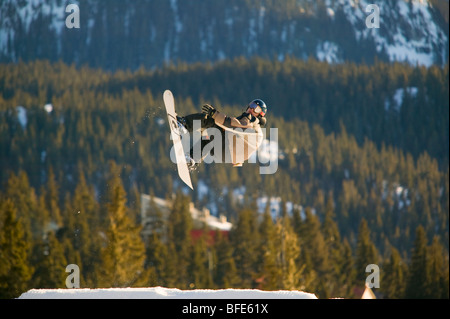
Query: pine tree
(15, 268)
(179, 239)
(51, 196)
(82, 230)
(200, 266)
(366, 253)
(124, 254)
(315, 252)
(156, 250)
(418, 280)
(346, 277)
(23, 196)
(157, 255)
(225, 273)
(172, 276)
(393, 276)
(244, 238)
(288, 253)
(51, 263)
(270, 271)
(336, 285)
(297, 221)
(438, 263)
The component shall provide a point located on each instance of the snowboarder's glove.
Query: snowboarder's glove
(262, 121)
(209, 110)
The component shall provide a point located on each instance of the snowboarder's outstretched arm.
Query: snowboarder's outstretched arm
(243, 121)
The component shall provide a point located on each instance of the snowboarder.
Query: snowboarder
(246, 127)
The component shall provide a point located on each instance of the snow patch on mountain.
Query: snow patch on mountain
(328, 51)
(22, 116)
(396, 102)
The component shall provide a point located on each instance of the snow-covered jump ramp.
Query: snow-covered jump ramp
(162, 293)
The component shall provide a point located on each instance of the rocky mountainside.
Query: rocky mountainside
(117, 34)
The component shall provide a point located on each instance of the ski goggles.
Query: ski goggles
(256, 108)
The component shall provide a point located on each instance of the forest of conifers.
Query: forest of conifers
(364, 150)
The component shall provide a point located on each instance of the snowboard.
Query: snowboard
(183, 170)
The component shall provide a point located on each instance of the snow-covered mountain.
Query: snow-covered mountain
(127, 34)
(408, 30)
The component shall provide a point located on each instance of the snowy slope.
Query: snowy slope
(21, 16)
(330, 30)
(162, 293)
(407, 33)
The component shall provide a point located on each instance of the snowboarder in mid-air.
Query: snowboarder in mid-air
(246, 128)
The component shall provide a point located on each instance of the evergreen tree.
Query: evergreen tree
(18, 189)
(315, 254)
(297, 221)
(366, 253)
(244, 238)
(15, 269)
(287, 255)
(200, 267)
(393, 277)
(156, 250)
(82, 230)
(346, 277)
(418, 280)
(51, 197)
(339, 276)
(50, 263)
(172, 276)
(270, 271)
(124, 252)
(156, 223)
(157, 256)
(439, 284)
(179, 239)
(225, 273)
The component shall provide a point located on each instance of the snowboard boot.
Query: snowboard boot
(182, 127)
(191, 164)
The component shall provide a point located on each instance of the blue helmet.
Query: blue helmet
(258, 106)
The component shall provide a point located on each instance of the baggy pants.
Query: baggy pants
(206, 122)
